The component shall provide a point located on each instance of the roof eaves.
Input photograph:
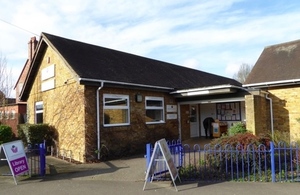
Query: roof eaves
(273, 83)
(83, 80)
(207, 88)
(218, 89)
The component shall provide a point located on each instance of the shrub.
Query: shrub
(36, 133)
(243, 139)
(6, 134)
(237, 128)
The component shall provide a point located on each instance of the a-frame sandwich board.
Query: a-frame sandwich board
(161, 152)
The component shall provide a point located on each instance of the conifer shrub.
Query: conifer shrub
(6, 134)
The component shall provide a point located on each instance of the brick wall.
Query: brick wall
(258, 113)
(285, 104)
(63, 106)
(131, 139)
(71, 109)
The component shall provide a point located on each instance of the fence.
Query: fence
(260, 163)
(36, 157)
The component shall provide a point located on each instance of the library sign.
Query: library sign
(15, 156)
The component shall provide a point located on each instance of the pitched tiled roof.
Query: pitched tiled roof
(277, 63)
(94, 62)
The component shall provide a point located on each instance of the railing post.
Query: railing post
(42, 159)
(272, 151)
(148, 155)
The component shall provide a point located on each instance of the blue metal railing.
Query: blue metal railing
(279, 163)
(36, 157)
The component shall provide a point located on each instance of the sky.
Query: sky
(214, 36)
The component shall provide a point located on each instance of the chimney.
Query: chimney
(31, 47)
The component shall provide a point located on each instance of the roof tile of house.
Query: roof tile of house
(279, 62)
(95, 62)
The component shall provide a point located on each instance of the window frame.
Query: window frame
(40, 111)
(12, 114)
(126, 107)
(162, 108)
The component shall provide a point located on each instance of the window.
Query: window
(39, 108)
(116, 110)
(5, 115)
(154, 110)
(12, 114)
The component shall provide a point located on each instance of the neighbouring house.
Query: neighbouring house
(98, 98)
(12, 110)
(274, 86)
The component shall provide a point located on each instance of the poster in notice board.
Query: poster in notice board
(229, 111)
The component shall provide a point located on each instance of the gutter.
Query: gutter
(274, 83)
(124, 83)
(205, 90)
(98, 120)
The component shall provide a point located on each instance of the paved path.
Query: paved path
(124, 177)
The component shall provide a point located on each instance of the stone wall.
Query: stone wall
(63, 106)
(286, 104)
(258, 113)
(71, 109)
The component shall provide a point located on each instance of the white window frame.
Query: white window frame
(38, 111)
(162, 108)
(118, 107)
(12, 114)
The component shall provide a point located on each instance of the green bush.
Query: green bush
(36, 134)
(237, 128)
(6, 134)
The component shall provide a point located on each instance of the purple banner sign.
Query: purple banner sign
(19, 165)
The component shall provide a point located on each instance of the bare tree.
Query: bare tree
(6, 83)
(243, 72)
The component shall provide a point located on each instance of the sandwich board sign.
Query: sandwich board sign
(16, 157)
(161, 153)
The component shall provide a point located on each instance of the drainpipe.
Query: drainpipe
(98, 119)
(271, 115)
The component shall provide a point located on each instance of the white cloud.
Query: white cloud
(191, 63)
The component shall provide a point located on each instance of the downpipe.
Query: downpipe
(98, 120)
(271, 115)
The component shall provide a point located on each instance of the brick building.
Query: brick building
(12, 110)
(96, 97)
(274, 83)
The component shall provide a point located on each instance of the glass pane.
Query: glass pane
(115, 116)
(156, 103)
(154, 115)
(39, 118)
(38, 107)
(115, 102)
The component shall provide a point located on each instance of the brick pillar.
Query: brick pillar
(257, 113)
